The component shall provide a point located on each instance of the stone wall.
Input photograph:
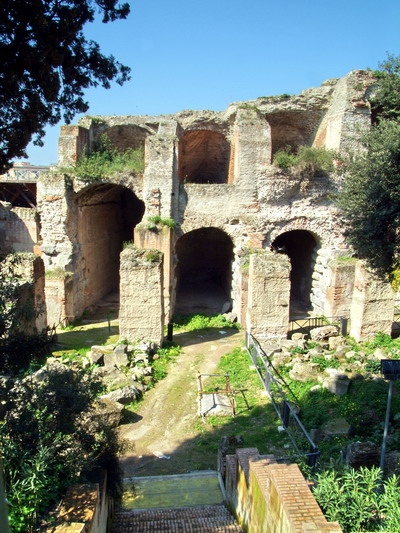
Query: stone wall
(18, 228)
(372, 305)
(84, 509)
(271, 497)
(213, 171)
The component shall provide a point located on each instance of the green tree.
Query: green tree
(19, 344)
(53, 437)
(370, 195)
(46, 64)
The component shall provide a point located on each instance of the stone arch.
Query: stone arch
(203, 272)
(204, 157)
(301, 247)
(293, 129)
(107, 215)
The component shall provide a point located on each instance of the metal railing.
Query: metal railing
(306, 324)
(287, 413)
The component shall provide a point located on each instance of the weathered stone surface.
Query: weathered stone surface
(304, 371)
(360, 454)
(110, 411)
(324, 333)
(114, 378)
(124, 395)
(372, 307)
(337, 382)
(141, 301)
(337, 426)
(269, 288)
(206, 170)
(118, 359)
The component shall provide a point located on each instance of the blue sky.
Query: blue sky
(205, 54)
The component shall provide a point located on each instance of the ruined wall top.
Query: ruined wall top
(322, 116)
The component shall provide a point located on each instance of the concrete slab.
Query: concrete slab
(215, 404)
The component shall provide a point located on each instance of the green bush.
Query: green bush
(50, 436)
(284, 158)
(155, 222)
(309, 160)
(359, 499)
(105, 160)
(312, 160)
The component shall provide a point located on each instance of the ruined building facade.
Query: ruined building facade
(212, 174)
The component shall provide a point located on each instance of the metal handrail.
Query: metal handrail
(271, 381)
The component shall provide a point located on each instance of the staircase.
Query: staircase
(179, 503)
(198, 519)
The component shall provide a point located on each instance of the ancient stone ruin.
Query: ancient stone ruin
(249, 238)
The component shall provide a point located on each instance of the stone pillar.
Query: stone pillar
(39, 300)
(251, 146)
(269, 295)
(141, 313)
(160, 181)
(339, 292)
(71, 144)
(160, 239)
(372, 307)
(59, 297)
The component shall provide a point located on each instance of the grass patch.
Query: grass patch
(198, 322)
(104, 160)
(82, 337)
(257, 424)
(162, 359)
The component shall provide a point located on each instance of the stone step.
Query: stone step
(199, 519)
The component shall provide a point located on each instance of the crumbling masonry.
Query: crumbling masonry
(212, 174)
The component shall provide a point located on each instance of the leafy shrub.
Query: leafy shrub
(380, 340)
(373, 366)
(155, 222)
(325, 363)
(284, 158)
(105, 160)
(359, 500)
(20, 351)
(309, 160)
(50, 436)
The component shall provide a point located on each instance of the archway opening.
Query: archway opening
(292, 129)
(300, 246)
(203, 157)
(204, 272)
(107, 216)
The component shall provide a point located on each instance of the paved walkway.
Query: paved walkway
(204, 519)
(164, 442)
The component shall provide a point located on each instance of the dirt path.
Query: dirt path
(162, 439)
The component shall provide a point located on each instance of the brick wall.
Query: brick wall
(270, 497)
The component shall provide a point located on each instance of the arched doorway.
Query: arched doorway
(300, 246)
(107, 215)
(204, 272)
